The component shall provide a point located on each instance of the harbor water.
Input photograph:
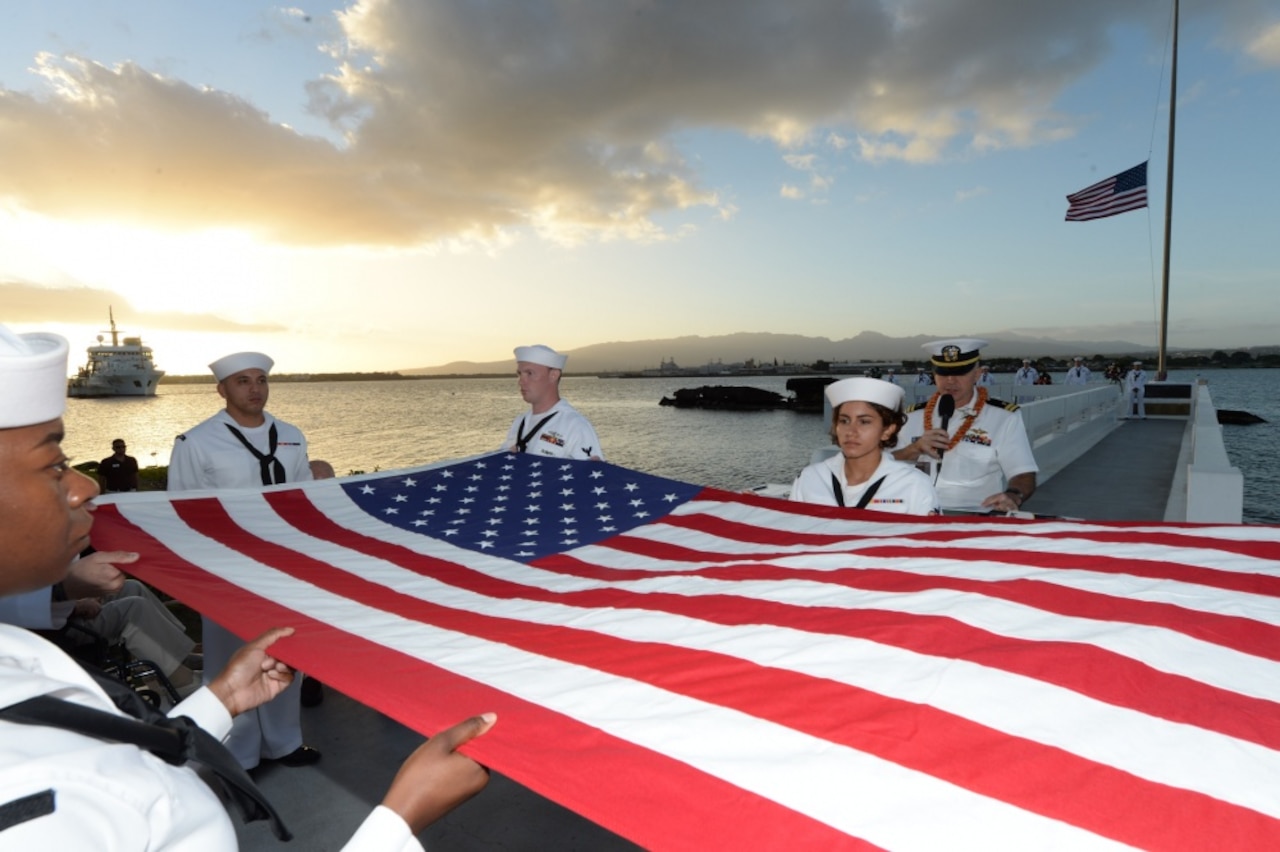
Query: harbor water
(367, 426)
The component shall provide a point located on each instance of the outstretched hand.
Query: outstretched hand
(96, 575)
(436, 779)
(253, 676)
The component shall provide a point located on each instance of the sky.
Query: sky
(391, 184)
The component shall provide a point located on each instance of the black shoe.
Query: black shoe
(312, 692)
(303, 755)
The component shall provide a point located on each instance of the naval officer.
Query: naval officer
(985, 457)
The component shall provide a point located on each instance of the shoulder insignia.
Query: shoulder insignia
(1000, 403)
(915, 406)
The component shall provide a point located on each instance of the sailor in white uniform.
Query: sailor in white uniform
(551, 426)
(1026, 375)
(1079, 374)
(866, 415)
(1135, 392)
(984, 456)
(243, 446)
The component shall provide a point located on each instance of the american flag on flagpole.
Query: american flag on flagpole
(696, 669)
(1117, 194)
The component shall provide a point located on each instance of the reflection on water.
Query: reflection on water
(388, 425)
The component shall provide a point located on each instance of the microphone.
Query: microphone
(946, 408)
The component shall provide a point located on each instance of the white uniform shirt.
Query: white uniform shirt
(209, 456)
(905, 490)
(986, 380)
(1026, 376)
(107, 795)
(567, 435)
(1135, 382)
(994, 450)
(1078, 375)
(114, 795)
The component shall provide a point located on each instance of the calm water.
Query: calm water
(388, 425)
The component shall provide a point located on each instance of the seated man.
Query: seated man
(138, 619)
(982, 452)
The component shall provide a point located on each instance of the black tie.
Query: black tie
(174, 740)
(269, 462)
(522, 440)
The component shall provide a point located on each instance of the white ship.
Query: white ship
(120, 369)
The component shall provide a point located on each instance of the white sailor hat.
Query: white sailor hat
(1137, 363)
(1077, 358)
(865, 390)
(955, 356)
(238, 362)
(33, 378)
(539, 354)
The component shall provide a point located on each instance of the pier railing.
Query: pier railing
(1065, 424)
(1206, 488)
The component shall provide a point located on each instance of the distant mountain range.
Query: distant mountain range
(765, 348)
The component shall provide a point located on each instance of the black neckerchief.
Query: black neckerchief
(269, 462)
(838, 490)
(522, 440)
(174, 740)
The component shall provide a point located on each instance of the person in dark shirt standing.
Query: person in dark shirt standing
(118, 472)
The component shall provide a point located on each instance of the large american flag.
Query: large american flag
(1117, 194)
(694, 668)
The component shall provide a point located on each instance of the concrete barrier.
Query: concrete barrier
(1214, 490)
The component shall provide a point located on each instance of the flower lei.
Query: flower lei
(968, 420)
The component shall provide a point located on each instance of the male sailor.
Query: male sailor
(984, 456)
(1079, 374)
(243, 446)
(1135, 392)
(551, 426)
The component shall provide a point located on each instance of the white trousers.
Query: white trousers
(269, 731)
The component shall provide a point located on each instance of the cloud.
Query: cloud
(462, 121)
(26, 303)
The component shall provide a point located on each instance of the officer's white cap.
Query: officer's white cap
(33, 378)
(238, 362)
(865, 390)
(539, 354)
(954, 356)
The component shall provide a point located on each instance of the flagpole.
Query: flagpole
(1161, 371)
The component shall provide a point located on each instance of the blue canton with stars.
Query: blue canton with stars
(520, 506)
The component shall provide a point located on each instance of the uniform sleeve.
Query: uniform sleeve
(509, 442)
(185, 470)
(922, 497)
(1014, 449)
(30, 609)
(583, 440)
(813, 485)
(383, 831)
